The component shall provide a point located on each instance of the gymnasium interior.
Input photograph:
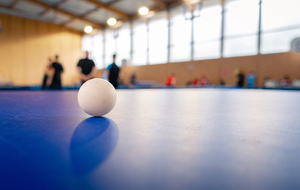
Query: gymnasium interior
(228, 120)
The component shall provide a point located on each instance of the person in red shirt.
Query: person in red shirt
(196, 82)
(202, 81)
(171, 80)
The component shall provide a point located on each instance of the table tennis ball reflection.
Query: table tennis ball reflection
(97, 97)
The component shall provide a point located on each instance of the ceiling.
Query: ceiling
(76, 14)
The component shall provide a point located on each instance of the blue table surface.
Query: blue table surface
(152, 139)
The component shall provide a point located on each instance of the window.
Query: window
(279, 14)
(86, 43)
(241, 46)
(241, 27)
(207, 31)
(97, 50)
(276, 42)
(140, 43)
(123, 44)
(110, 46)
(148, 43)
(180, 39)
(280, 25)
(158, 39)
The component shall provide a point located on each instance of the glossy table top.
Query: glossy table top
(152, 139)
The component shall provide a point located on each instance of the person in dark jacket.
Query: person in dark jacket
(86, 68)
(113, 72)
(56, 79)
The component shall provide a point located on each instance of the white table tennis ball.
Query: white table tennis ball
(97, 97)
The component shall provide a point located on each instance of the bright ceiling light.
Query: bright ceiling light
(88, 29)
(143, 10)
(111, 21)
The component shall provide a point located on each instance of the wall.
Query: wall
(274, 66)
(26, 44)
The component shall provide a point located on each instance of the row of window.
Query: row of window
(246, 28)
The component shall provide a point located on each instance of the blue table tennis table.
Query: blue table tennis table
(227, 139)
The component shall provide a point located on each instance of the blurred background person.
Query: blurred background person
(49, 71)
(251, 79)
(222, 82)
(240, 79)
(196, 82)
(133, 79)
(171, 80)
(113, 72)
(203, 80)
(56, 79)
(86, 68)
(285, 82)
